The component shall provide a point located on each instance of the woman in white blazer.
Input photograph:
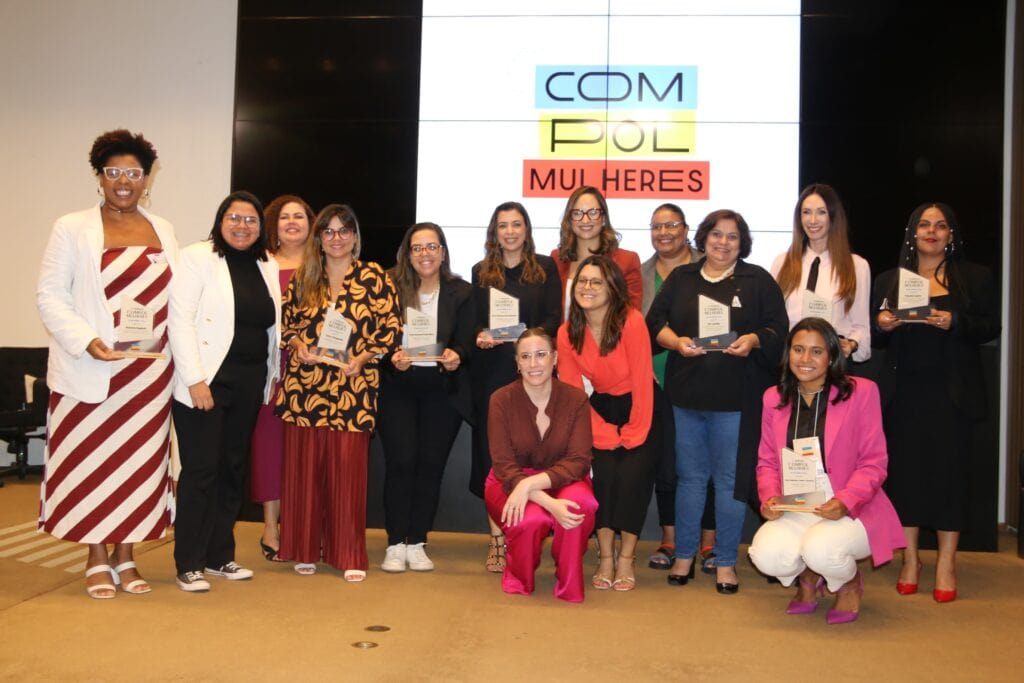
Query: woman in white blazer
(106, 478)
(225, 331)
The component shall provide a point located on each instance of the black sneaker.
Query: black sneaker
(192, 582)
(232, 571)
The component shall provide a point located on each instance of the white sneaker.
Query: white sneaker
(417, 558)
(394, 558)
(232, 571)
(192, 582)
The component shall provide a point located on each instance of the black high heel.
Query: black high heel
(270, 553)
(681, 579)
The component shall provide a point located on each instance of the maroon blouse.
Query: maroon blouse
(564, 452)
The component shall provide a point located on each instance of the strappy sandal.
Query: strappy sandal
(496, 554)
(602, 583)
(271, 554)
(626, 583)
(137, 587)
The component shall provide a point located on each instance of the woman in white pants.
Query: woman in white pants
(838, 418)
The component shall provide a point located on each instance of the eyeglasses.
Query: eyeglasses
(525, 356)
(430, 248)
(577, 214)
(238, 219)
(344, 232)
(115, 172)
(591, 282)
(667, 225)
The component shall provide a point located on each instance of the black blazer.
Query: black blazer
(454, 329)
(975, 321)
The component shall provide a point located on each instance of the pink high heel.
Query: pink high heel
(835, 616)
(798, 607)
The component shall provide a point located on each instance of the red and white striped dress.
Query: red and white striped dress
(107, 478)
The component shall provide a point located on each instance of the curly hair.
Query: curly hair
(272, 215)
(121, 141)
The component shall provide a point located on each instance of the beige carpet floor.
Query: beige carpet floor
(455, 624)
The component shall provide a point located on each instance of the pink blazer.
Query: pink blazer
(855, 458)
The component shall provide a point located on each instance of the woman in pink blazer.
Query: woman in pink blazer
(818, 404)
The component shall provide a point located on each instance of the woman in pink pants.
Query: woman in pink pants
(540, 442)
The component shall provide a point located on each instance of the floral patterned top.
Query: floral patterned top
(321, 395)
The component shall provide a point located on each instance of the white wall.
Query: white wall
(73, 69)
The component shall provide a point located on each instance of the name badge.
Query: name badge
(810, 448)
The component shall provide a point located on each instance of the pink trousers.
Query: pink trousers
(526, 540)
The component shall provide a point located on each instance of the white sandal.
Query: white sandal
(94, 590)
(354, 575)
(305, 568)
(137, 587)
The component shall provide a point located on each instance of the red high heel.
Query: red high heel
(908, 588)
(940, 595)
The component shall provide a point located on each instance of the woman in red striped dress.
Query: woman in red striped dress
(104, 283)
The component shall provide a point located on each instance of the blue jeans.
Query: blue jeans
(706, 446)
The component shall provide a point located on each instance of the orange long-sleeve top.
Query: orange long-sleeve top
(627, 369)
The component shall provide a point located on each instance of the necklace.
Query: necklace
(812, 393)
(726, 273)
(426, 299)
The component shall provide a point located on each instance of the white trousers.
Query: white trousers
(786, 546)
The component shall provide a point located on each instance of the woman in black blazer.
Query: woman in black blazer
(422, 402)
(932, 388)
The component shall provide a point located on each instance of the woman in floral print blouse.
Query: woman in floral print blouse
(330, 408)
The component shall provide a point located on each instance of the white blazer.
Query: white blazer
(73, 305)
(201, 319)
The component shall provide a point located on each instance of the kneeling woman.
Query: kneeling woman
(540, 441)
(842, 416)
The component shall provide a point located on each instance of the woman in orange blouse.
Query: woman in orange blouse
(605, 342)
(330, 411)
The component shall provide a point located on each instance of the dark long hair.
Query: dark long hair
(406, 279)
(835, 375)
(492, 268)
(838, 246)
(258, 250)
(618, 306)
(948, 272)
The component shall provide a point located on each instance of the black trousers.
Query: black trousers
(214, 449)
(418, 425)
(623, 478)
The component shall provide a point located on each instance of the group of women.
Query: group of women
(591, 381)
